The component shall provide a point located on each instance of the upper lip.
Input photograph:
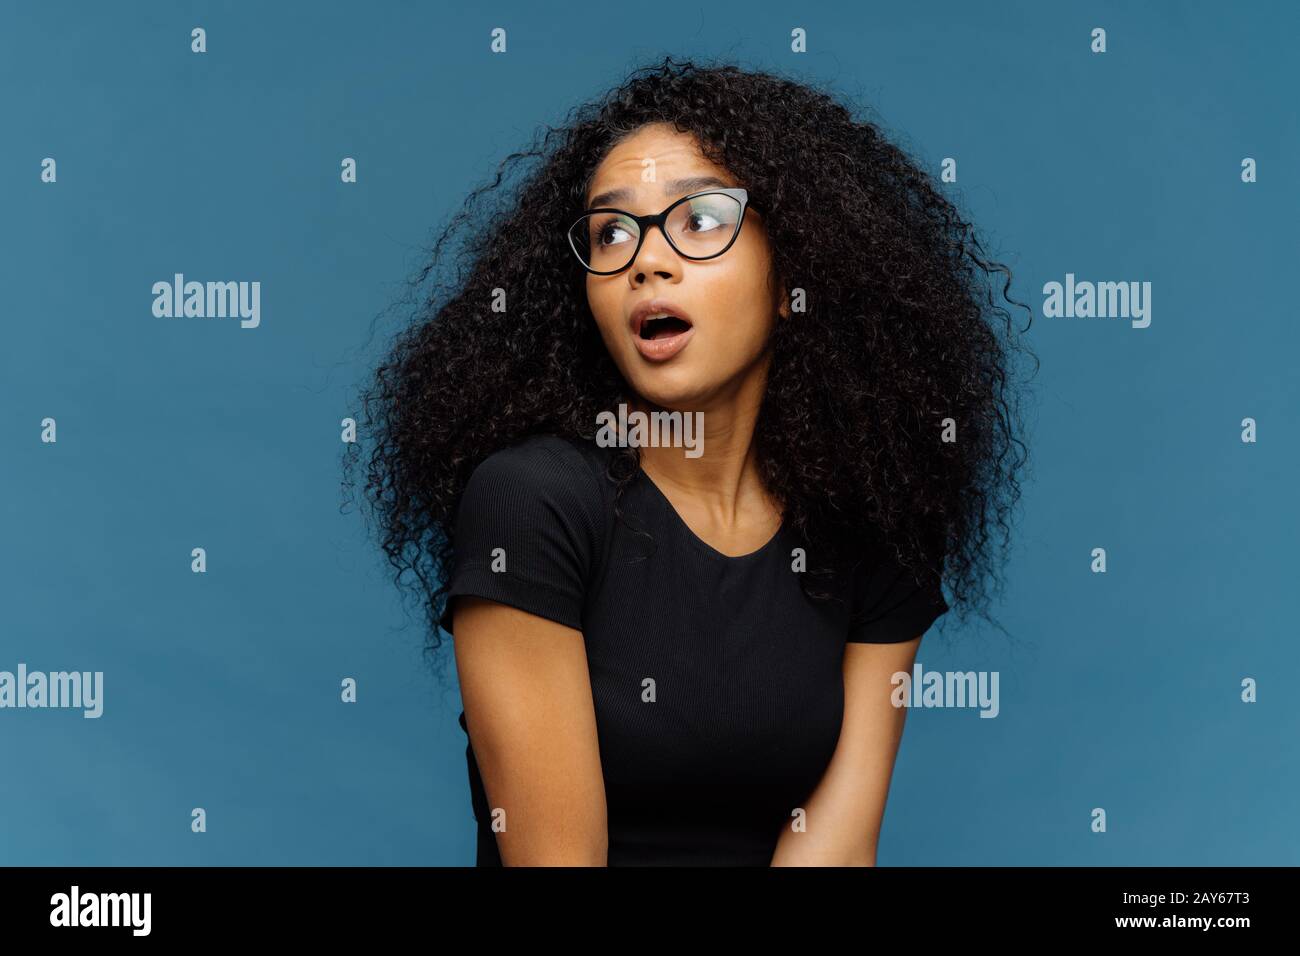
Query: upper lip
(655, 307)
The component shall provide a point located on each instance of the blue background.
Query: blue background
(222, 689)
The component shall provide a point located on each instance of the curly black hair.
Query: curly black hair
(903, 345)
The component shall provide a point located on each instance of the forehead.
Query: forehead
(654, 164)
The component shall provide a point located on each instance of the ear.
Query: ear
(782, 295)
(784, 309)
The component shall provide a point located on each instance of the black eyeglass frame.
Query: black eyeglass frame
(644, 223)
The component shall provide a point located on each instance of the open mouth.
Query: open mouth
(663, 327)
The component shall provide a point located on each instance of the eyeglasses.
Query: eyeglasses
(699, 226)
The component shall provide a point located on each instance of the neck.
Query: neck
(724, 479)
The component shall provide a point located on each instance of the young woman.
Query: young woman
(682, 652)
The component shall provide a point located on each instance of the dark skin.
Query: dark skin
(524, 680)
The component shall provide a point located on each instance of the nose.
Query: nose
(655, 256)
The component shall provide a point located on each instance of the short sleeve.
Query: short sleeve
(889, 606)
(527, 532)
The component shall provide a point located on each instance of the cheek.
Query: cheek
(604, 307)
(745, 305)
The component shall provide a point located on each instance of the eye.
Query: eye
(701, 221)
(609, 233)
(709, 213)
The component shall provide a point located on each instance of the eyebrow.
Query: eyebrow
(673, 187)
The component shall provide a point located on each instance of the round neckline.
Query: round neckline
(699, 542)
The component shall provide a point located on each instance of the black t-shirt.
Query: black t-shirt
(717, 684)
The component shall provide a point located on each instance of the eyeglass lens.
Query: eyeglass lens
(699, 228)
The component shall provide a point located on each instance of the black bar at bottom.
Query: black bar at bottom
(368, 904)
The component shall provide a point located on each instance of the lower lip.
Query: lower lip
(662, 349)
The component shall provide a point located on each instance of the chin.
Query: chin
(671, 388)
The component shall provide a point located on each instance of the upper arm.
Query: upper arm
(532, 725)
(872, 730)
(526, 545)
(844, 812)
(890, 614)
